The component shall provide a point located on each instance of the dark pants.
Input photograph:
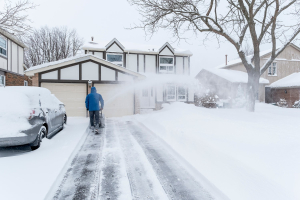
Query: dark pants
(93, 115)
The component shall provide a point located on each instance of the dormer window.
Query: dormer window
(3, 46)
(115, 58)
(166, 65)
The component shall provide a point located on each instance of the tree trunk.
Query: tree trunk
(252, 90)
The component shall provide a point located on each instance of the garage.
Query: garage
(71, 94)
(71, 79)
(118, 99)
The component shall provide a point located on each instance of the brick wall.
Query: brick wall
(16, 80)
(289, 94)
(35, 80)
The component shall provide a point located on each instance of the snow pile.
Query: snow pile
(14, 113)
(292, 80)
(245, 155)
(234, 76)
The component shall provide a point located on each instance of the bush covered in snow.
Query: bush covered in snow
(282, 103)
(207, 100)
(240, 99)
(296, 104)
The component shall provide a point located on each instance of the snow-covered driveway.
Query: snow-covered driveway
(127, 161)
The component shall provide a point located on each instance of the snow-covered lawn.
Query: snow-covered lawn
(246, 155)
(31, 175)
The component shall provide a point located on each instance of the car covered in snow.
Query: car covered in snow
(29, 114)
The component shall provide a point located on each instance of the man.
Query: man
(92, 105)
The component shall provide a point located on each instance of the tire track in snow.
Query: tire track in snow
(143, 181)
(114, 181)
(176, 181)
(81, 180)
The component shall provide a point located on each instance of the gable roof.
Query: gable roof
(292, 80)
(134, 47)
(262, 53)
(233, 76)
(114, 41)
(167, 45)
(75, 59)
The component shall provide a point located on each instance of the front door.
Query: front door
(147, 98)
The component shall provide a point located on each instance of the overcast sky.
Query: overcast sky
(108, 19)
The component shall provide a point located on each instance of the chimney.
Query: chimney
(92, 38)
(225, 59)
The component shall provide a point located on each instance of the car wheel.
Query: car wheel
(37, 143)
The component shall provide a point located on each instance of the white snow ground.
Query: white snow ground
(245, 155)
(31, 175)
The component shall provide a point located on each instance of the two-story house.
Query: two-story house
(131, 79)
(12, 61)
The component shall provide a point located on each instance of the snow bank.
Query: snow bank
(14, 113)
(246, 155)
(292, 80)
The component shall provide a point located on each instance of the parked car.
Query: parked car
(46, 116)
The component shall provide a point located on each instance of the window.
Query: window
(3, 46)
(272, 70)
(2, 80)
(115, 58)
(171, 93)
(181, 93)
(166, 65)
(25, 83)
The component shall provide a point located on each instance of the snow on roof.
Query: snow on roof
(292, 80)
(133, 47)
(79, 58)
(238, 60)
(262, 53)
(234, 76)
(58, 62)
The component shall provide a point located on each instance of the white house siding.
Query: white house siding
(124, 77)
(141, 63)
(166, 52)
(99, 54)
(160, 93)
(50, 75)
(107, 74)
(9, 54)
(186, 66)
(114, 48)
(21, 61)
(3, 63)
(70, 73)
(131, 60)
(150, 64)
(179, 65)
(15, 57)
(90, 71)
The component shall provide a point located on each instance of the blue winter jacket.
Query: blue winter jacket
(92, 100)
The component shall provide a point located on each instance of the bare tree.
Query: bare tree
(236, 21)
(14, 18)
(51, 44)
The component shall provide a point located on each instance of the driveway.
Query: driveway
(127, 161)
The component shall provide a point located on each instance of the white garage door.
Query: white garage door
(118, 99)
(72, 95)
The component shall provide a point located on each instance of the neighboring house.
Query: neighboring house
(286, 63)
(287, 88)
(12, 61)
(224, 83)
(116, 71)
